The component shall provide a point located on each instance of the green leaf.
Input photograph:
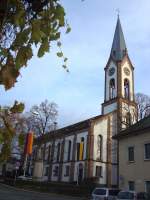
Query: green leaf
(68, 29)
(43, 48)
(21, 39)
(19, 17)
(59, 44)
(65, 59)
(17, 107)
(64, 66)
(23, 55)
(8, 74)
(55, 36)
(60, 54)
(60, 14)
(37, 33)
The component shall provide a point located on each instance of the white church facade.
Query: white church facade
(86, 150)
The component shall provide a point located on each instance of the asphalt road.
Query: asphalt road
(11, 193)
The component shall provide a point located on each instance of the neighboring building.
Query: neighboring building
(86, 150)
(134, 156)
(8, 169)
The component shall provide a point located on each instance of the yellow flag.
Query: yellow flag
(81, 151)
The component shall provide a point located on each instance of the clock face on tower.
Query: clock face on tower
(111, 71)
(126, 71)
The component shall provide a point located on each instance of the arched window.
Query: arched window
(58, 152)
(100, 146)
(112, 88)
(126, 89)
(69, 150)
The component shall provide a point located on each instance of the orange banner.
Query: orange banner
(30, 143)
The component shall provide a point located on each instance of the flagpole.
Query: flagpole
(25, 164)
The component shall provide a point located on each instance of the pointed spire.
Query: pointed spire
(118, 49)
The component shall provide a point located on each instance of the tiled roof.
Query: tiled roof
(68, 129)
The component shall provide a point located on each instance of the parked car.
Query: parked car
(126, 195)
(104, 194)
(25, 178)
(143, 196)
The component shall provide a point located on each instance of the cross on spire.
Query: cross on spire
(118, 12)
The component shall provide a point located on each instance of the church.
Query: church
(86, 150)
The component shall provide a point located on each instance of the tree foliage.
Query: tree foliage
(24, 24)
(42, 118)
(143, 105)
(10, 126)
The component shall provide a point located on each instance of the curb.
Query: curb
(36, 192)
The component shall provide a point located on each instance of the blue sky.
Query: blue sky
(79, 94)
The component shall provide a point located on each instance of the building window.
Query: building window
(131, 154)
(55, 171)
(147, 151)
(126, 89)
(131, 185)
(46, 171)
(147, 186)
(67, 170)
(112, 88)
(69, 150)
(99, 146)
(47, 153)
(98, 172)
(58, 152)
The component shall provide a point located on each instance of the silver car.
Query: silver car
(105, 194)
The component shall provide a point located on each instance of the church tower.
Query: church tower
(119, 82)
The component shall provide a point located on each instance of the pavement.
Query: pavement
(12, 193)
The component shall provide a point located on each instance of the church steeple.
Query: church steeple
(119, 78)
(118, 50)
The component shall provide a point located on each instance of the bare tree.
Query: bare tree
(143, 105)
(131, 115)
(42, 118)
(128, 116)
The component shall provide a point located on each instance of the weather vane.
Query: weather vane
(118, 11)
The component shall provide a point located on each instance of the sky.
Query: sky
(79, 94)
